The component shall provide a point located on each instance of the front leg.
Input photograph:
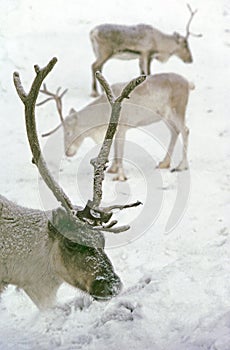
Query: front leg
(144, 63)
(165, 163)
(120, 175)
(113, 169)
(117, 164)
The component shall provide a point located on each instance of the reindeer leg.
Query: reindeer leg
(144, 63)
(97, 66)
(113, 169)
(165, 163)
(183, 165)
(148, 65)
(117, 164)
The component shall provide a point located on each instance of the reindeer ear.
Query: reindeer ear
(72, 111)
(75, 230)
(59, 215)
(177, 37)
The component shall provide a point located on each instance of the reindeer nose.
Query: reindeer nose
(70, 152)
(189, 59)
(103, 289)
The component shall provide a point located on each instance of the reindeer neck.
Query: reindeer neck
(166, 43)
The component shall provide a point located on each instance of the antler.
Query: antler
(29, 101)
(92, 216)
(102, 158)
(189, 22)
(58, 99)
(92, 211)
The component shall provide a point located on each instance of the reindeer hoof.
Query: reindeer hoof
(178, 169)
(94, 94)
(119, 178)
(112, 170)
(163, 165)
(174, 170)
(182, 166)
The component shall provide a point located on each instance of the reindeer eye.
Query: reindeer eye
(70, 245)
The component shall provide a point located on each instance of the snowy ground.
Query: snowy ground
(176, 293)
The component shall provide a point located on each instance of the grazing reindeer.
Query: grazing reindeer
(160, 97)
(130, 42)
(40, 250)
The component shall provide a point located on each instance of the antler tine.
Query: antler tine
(43, 102)
(46, 92)
(58, 89)
(58, 104)
(189, 22)
(51, 131)
(56, 97)
(63, 93)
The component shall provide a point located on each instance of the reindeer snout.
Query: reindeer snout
(103, 289)
(189, 59)
(70, 152)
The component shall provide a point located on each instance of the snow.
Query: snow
(176, 293)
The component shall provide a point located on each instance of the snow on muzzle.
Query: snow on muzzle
(103, 289)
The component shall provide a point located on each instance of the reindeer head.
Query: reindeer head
(80, 259)
(73, 137)
(182, 49)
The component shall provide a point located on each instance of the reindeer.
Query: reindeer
(161, 97)
(137, 41)
(39, 250)
(37, 257)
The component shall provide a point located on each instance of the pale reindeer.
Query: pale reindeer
(161, 97)
(39, 250)
(137, 41)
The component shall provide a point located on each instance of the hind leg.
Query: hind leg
(183, 165)
(165, 163)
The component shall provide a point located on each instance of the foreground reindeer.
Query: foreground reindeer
(137, 41)
(38, 258)
(40, 250)
(161, 97)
